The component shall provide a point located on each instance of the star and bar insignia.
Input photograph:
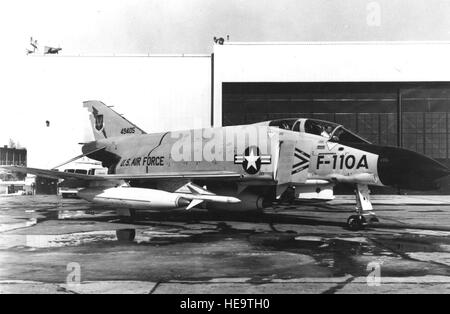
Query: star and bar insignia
(252, 159)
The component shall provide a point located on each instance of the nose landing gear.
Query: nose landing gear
(356, 222)
(364, 210)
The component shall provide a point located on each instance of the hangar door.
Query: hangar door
(412, 115)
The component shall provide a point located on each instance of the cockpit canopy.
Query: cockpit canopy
(329, 130)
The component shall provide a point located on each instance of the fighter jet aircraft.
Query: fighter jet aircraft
(239, 168)
(51, 50)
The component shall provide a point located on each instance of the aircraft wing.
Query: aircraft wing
(55, 174)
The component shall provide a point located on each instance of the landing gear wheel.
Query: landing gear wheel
(125, 235)
(356, 222)
(364, 209)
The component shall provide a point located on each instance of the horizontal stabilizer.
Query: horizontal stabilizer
(78, 157)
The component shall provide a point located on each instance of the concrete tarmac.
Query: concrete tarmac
(54, 245)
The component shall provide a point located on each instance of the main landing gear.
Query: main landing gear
(126, 235)
(364, 210)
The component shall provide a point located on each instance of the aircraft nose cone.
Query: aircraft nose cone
(409, 170)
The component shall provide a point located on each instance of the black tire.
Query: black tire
(126, 235)
(352, 223)
(356, 222)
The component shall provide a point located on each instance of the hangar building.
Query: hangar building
(390, 93)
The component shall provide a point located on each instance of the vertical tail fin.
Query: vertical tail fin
(107, 123)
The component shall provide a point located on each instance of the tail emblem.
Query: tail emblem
(98, 119)
(99, 125)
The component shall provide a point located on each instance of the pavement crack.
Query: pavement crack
(64, 289)
(339, 286)
(154, 287)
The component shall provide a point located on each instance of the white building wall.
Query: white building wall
(328, 62)
(156, 93)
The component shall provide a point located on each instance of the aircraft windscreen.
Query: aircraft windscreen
(342, 135)
(332, 131)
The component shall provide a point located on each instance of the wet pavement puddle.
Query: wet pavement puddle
(199, 245)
